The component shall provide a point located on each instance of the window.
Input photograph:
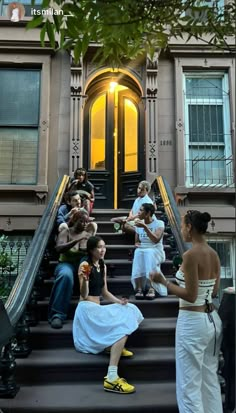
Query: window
(202, 15)
(225, 248)
(208, 152)
(19, 124)
(26, 3)
(98, 133)
(130, 136)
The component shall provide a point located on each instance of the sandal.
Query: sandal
(151, 294)
(139, 294)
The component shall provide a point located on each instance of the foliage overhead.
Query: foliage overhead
(125, 29)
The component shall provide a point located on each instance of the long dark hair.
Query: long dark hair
(81, 171)
(92, 243)
(198, 220)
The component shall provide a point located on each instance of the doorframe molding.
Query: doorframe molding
(145, 77)
(151, 106)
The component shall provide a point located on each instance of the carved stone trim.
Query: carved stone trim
(41, 197)
(151, 112)
(76, 116)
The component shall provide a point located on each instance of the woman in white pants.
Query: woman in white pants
(199, 328)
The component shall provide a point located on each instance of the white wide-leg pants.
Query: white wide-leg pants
(197, 347)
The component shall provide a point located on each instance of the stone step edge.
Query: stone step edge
(81, 398)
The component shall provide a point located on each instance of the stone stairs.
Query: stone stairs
(56, 378)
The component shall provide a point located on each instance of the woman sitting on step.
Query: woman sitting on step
(103, 327)
(71, 243)
(149, 253)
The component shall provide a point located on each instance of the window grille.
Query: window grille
(19, 125)
(225, 248)
(208, 153)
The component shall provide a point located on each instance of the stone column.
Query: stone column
(76, 117)
(151, 117)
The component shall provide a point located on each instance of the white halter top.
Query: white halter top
(205, 290)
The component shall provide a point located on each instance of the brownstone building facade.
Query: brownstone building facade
(173, 115)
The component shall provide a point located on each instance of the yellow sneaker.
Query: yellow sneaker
(125, 353)
(118, 386)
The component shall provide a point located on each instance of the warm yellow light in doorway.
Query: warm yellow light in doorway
(112, 86)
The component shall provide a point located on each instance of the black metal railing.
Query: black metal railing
(23, 285)
(209, 171)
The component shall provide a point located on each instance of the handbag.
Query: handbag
(6, 328)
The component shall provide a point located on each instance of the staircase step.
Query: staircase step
(116, 285)
(161, 307)
(119, 266)
(107, 214)
(68, 365)
(121, 251)
(91, 398)
(114, 238)
(124, 266)
(152, 332)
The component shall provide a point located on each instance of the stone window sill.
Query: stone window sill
(30, 188)
(206, 189)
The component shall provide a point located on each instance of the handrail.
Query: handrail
(172, 213)
(23, 285)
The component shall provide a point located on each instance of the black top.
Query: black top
(96, 281)
(84, 186)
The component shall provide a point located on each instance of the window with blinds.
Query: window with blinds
(208, 152)
(19, 125)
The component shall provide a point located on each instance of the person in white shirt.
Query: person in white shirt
(149, 253)
(127, 223)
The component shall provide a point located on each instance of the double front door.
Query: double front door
(114, 152)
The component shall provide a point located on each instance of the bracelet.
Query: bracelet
(167, 283)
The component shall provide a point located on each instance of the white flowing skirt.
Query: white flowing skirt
(96, 327)
(145, 261)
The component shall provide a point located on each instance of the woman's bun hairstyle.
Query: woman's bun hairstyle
(206, 217)
(198, 220)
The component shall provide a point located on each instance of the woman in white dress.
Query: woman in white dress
(149, 253)
(103, 327)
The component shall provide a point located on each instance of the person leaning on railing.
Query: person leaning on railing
(71, 244)
(199, 328)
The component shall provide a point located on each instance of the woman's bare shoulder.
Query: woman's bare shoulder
(189, 253)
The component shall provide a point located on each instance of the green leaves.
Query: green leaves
(50, 32)
(128, 28)
(35, 22)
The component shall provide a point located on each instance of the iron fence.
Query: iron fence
(13, 250)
